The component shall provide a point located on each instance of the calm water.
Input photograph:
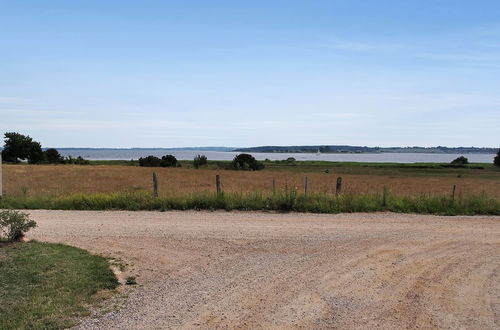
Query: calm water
(127, 154)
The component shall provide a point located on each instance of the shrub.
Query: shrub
(200, 160)
(53, 156)
(496, 161)
(77, 161)
(149, 161)
(14, 224)
(460, 161)
(168, 161)
(246, 162)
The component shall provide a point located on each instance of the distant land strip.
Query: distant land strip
(359, 149)
(331, 149)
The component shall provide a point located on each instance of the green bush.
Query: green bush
(169, 161)
(53, 156)
(153, 161)
(460, 161)
(14, 224)
(496, 161)
(246, 162)
(149, 161)
(200, 160)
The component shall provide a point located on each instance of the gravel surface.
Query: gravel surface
(266, 270)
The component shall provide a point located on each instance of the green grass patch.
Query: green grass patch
(285, 200)
(46, 286)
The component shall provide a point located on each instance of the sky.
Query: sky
(249, 73)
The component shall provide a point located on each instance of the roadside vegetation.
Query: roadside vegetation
(46, 286)
(43, 285)
(285, 200)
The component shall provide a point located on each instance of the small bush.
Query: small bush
(168, 161)
(153, 161)
(200, 160)
(496, 160)
(246, 162)
(149, 161)
(76, 161)
(460, 161)
(53, 156)
(14, 224)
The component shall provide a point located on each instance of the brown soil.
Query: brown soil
(264, 270)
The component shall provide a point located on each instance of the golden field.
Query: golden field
(58, 180)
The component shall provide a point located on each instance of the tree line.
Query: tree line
(19, 147)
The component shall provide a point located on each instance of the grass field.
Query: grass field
(358, 178)
(45, 286)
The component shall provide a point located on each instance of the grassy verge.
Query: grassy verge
(288, 200)
(45, 286)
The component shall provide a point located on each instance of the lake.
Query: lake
(127, 154)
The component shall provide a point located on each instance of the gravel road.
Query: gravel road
(267, 270)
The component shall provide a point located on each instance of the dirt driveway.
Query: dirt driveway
(265, 270)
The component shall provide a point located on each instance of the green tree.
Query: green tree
(246, 162)
(21, 147)
(496, 161)
(36, 154)
(53, 156)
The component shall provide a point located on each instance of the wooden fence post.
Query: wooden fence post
(274, 186)
(155, 185)
(217, 184)
(338, 187)
(305, 186)
(384, 196)
(453, 192)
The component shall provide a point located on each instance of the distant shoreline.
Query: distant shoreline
(323, 149)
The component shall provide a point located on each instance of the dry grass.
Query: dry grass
(59, 180)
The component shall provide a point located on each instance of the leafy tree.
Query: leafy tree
(460, 161)
(149, 161)
(21, 147)
(53, 156)
(246, 162)
(200, 160)
(36, 154)
(17, 146)
(496, 161)
(168, 161)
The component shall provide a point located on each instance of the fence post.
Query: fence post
(155, 185)
(305, 186)
(338, 187)
(453, 192)
(274, 186)
(384, 196)
(217, 184)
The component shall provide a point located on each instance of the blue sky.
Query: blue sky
(247, 73)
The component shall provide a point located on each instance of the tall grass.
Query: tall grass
(284, 200)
